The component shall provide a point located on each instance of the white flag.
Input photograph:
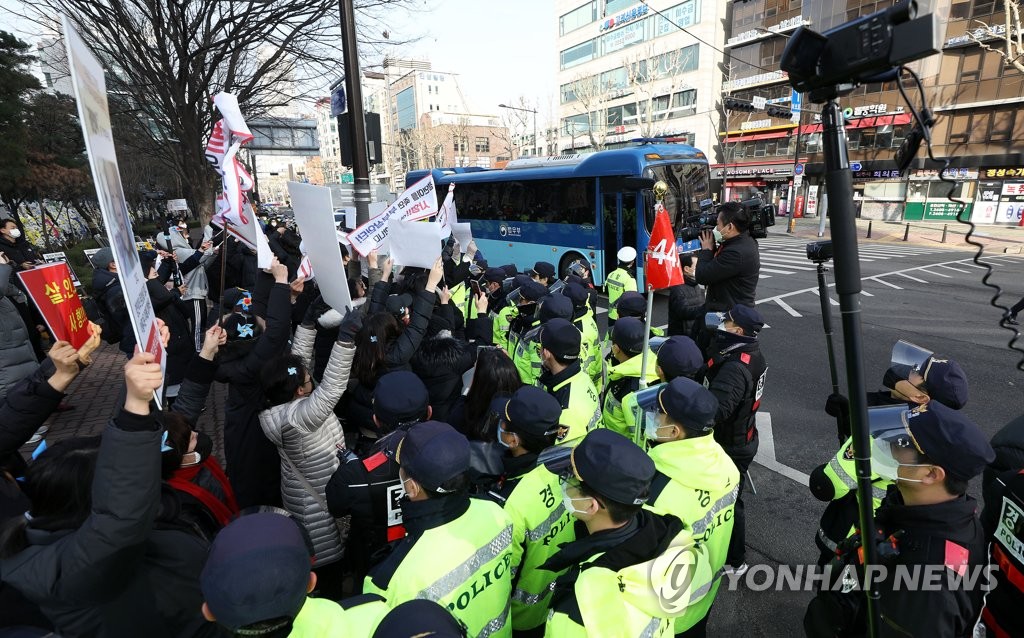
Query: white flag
(229, 134)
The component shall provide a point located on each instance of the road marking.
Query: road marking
(831, 300)
(968, 262)
(777, 272)
(788, 308)
(937, 274)
(882, 281)
(766, 451)
(903, 274)
(866, 293)
(956, 269)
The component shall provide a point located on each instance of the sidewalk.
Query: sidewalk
(995, 238)
(95, 392)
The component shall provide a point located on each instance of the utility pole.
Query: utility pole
(357, 126)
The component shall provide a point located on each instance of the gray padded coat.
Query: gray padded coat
(307, 432)
(17, 359)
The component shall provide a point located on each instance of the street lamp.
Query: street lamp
(525, 110)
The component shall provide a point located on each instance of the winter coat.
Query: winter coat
(180, 348)
(106, 290)
(252, 461)
(440, 362)
(116, 575)
(685, 305)
(17, 358)
(307, 433)
(19, 251)
(359, 396)
(196, 284)
(730, 273)
(327, 333)
(23, 410)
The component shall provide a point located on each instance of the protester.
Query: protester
(106, 290)
(493, 374)
(17, 358)
(197, 285)
(685, 301)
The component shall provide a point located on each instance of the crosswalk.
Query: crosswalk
(788, 255)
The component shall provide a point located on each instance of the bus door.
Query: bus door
(618, 212)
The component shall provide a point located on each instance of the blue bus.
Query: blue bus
(575, 208)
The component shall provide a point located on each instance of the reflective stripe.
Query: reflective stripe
(851, 483)
(615, 282)
(537, 533)
(521, 596)
(594, 420)
(463, 572)
(726, 501)
(826, 541)
(651, 628)
(495, 625)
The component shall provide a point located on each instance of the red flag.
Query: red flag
(662, 269)
(53, 292)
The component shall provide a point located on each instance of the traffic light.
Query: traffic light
(733, 104)
(774, 110)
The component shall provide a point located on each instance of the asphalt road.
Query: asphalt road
(928, 295)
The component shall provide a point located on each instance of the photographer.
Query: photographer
(730, 272)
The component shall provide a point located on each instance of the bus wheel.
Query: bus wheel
(568, 260)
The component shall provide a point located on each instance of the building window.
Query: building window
(1002, 126)
(483, 145)
(615, 6)
(461, 143)
(983, 8)
(578, 54)
(959, 129)
(578, 17)
(684, 14)
(568, 92)
(49, 80)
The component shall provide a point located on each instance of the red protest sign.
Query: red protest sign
(663, 269)
(53, 292)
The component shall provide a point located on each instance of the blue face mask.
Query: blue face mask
(500, 440)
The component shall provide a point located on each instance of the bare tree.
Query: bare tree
(592, 97)
(653, 78)
(1012, 35)
(167, 58)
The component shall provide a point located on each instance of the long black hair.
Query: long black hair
(281, 377)
(372, 343)
(495, 373)
(59, 484)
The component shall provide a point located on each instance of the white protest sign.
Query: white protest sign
(463, 234)
(414, 243)
(447, 215)
(176, 204)
(248, 232)
(91, 93)
(315, 217)
(419, 201)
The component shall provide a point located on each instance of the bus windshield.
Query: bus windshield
(687, 189)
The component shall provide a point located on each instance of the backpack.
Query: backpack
(97, 313)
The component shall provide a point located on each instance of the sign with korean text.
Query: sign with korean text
(91, 95)
(1007, 172)
(53, 292)
(176, 205)
(53, 258)
(419, 201)
(663, 268)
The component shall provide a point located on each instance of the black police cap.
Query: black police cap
(609, 464)
(532, 411)
(562, 339)
(400, 397)
(631, 304)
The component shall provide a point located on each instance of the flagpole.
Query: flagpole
(660, 189)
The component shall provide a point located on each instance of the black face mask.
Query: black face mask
(204, 445)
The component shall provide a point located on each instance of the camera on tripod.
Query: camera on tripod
(819, 251)
(761, 217)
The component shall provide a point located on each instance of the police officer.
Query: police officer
(622, 573)
(630, 304)
(565, 380)
(736, 375)
(543, 273)
(620, 280)
(623, 374)
(1003, 489)
(928, 378)
(677, 357)
(510, 310)
(366, 484)
(525, 318)
(458, 551)
(929, 530)
(493, 278)
(527, 355)
(583, 319)
(695, 479)
(527, 425)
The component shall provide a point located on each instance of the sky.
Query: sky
(501, 50)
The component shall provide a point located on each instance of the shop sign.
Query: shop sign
(746, 126)
(625, 17)
(1002, 171)
(950, 173)
(885, 174)
(755, 171)
(771, 77)
(981, 33)
(757, 34)
(1013, 192)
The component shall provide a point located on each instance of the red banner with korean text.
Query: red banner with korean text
(53, 291)
(662, 269)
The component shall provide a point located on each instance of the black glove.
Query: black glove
(350, 325)
(313, 312)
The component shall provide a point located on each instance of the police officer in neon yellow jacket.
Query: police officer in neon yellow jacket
(630, 571)
(528, 424)
(565, 380)
(695, 479)
(678, 356)
(527, 356)
(623, 374)
(620, 280)
(630, 304)
(591, 357)
(458, 551)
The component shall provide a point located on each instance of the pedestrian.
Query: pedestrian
(366, 485)
(458, 551)
(564, 379)
(694, 478)
(17, 358)
(166, 307)
(256, 580)
(620, 280)
(441, 361)
(926, 522)
(729, 271)
(624, 367)
(528, 491)
(300, 421)
(610, 585)
(21, 255)
(1011, 315)
(685, 301)
(736, 374)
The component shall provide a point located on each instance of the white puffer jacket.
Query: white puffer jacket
(307, 432)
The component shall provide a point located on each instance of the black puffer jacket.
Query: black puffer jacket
(106, 290)
(730, 273)
(440, 363)
(181, 347)
(685, 305)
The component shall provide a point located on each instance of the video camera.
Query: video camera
(761, 217)
(819, 251)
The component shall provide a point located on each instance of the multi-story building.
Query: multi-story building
(452, 139)
(629, 69)
(330, 143)
(974, 94)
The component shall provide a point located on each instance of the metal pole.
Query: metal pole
(637, 431)
(945, 227)
(356, 124)
(906, 232)
(870, 221)
(848, 287)
(826, 323)
(534, 153)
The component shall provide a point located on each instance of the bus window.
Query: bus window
(687, 186)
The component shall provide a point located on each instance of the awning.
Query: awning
(864, 122)
(758, 136)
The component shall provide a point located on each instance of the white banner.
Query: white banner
(414, 243)
(447, 215)
(250, 234)
(176, 204)
(91, 94)
(315, 217)
(419, 201)
(811, 207)
(463, 234)
(228, 136)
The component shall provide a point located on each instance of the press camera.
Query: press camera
(761, 217)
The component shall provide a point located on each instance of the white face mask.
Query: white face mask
(651, 426)
(718, 235)
(15, 233)
(567, 502)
